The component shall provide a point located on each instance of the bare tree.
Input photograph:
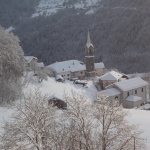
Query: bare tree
(83, 126)
(31, 125)
(115, 132)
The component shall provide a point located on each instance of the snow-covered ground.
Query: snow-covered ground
(9, 29)
(51, 7)
(52, 87)
(141, 117)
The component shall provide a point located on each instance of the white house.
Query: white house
(109, 78)
(68, 69)
(99, 69)
(133, 92)
(73, 69)
(130, 93)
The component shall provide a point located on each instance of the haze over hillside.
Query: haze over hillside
(119, 31)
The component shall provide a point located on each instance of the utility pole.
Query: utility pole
(139, 139)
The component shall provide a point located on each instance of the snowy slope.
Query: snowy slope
(51, 7)
(52, 87)
(141, 117)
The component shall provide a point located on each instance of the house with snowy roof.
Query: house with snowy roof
(30, 60)
(111, 77)
(77, 69)
(130, 93)
(133, 92)
(68, 69)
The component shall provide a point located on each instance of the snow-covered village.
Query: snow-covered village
(63, 86)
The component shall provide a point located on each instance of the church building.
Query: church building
(89, 58)
(76, 69)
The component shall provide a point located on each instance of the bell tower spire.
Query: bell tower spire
(89, 56)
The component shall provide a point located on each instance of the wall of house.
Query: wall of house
(99, 71)
(77, 74)
(132, 104)
(66, 75)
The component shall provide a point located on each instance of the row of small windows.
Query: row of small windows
(142, 90)
(65, 75)
(69, 75)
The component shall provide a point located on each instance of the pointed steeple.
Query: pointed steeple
(89, 44)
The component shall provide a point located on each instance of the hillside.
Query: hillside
(119, 31)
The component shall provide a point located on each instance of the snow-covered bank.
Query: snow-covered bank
(52, 87)
(142, 118)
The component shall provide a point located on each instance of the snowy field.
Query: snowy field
(141, 117)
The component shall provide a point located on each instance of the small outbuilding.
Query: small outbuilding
(56, 100)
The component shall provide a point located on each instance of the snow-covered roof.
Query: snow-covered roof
(41, 65)
(99, 65)
(29, 58)
(133, 98)
(57, 96)
(112, 75)
(68, 66)
(130, 84)
(111, 92)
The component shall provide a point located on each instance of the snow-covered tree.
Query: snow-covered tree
(101, 125)
(11, 63)
(31, 126)
(83, 126)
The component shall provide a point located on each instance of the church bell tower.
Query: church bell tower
(89, 57)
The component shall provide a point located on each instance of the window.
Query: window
(135, 91)
(142, 90)
(81, 72)
(128, 93)
(62, 75)
(67, 74)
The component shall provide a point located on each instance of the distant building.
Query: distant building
(30, 60)
(130, 93)
(69, 69)
(109, 78)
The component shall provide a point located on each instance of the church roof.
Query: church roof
(68, 66)
(89, 44)
(112, 76)
(131, 84)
